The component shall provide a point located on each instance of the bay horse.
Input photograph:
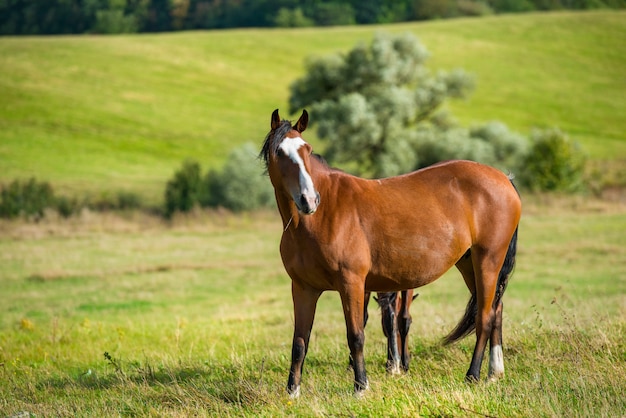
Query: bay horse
(354, 235)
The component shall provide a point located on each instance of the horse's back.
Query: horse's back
(420, 224)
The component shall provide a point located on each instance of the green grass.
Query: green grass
(95, 114)
(196, 319)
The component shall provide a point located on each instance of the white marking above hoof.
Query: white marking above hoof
(394, 369)
(359, 394)
(496, 363)
(295, 394)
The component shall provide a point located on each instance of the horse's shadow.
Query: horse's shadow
(223, 382)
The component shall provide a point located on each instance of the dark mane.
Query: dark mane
(273, 140)
(321, 160)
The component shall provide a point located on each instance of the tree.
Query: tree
(292, 18)
(367, 103)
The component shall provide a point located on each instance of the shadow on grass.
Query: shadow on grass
(179, 385)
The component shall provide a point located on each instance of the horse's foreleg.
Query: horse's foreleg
(352, 299)
(496, 361)
(365, 317)
(304, 303)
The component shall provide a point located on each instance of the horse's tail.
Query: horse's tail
(467, 324)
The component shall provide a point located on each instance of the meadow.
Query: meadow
(127, 314)
(101, 114)
(111, 315)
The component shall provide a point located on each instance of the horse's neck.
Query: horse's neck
(288, 211)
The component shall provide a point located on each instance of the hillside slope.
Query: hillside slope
(96, 113)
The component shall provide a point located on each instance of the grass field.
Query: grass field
(195, 317)
(100, 114)
(129, 315)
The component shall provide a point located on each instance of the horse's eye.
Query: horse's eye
(280, 152)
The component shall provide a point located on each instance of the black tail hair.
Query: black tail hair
(467, 324)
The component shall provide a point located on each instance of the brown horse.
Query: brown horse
(355, 236)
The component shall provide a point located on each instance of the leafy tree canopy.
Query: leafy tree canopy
(367, 103)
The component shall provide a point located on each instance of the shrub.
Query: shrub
(28, 198)
(491, 144)
(434, 146)
(554, 163)
(241, 184)
(509, 148)
(67, 206)
(182, 192)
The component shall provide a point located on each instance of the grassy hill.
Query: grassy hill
(94, 113)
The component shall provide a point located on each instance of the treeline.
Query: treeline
(47, 17)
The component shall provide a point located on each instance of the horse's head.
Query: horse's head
(287, 159)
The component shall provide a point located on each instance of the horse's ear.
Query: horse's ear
(302, 122)
(275, 120)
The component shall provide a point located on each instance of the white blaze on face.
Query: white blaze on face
(290, 147)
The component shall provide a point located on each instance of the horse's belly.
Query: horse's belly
(408, 276)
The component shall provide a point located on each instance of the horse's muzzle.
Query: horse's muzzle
(308, 204)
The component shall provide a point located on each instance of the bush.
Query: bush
(241, 185)
(491, 144)
(509, 148)
(121, 200)
(67, 206)
(182, 192)
(554, 163)
(28, 198)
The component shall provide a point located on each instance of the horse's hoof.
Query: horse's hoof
(294, 393)
(360, 390)
(471, 379)
(493, 377)
(394, 370)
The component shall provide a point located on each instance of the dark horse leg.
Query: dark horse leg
(404, 324)
(304, 304)
(486, 272)
(353, 300)
(389, 312)
(396, 322)
(366, 302)
(496, 361)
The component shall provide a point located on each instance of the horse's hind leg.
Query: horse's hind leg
(388, 302)
(304, 303)
(404, 324)
(496, 361)
(486, 268)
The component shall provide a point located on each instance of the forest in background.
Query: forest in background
(50, 17)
